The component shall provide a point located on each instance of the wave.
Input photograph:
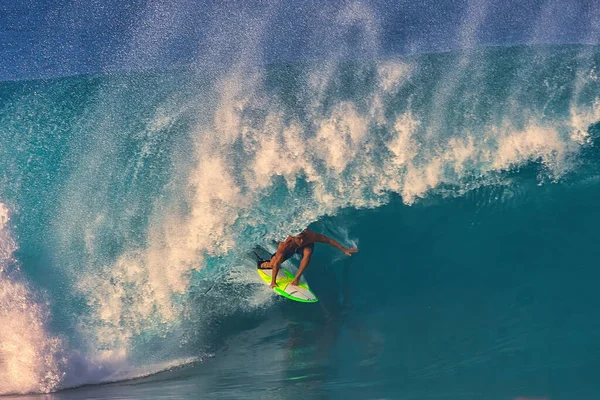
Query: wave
(139, 191)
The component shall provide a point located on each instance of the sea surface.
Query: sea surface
(130, 203)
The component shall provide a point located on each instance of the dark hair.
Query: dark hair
(302, 233)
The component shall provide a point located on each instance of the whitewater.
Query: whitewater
(130, 202)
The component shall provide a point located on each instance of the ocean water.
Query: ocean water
(130, 203)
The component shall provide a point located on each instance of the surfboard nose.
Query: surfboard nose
(298, 292)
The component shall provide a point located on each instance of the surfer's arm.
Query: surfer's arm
(333, 243)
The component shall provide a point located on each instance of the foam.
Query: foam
(30, 356)
(338, 138)
(81, 369)
(581, 118)
(260, 297)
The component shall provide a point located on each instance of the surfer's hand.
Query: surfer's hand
(294, 282)
(273, 285)
(349, 252)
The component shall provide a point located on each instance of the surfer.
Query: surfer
(303, 244)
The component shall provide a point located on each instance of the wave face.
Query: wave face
(468, 180)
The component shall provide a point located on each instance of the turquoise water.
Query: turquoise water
(130, 203)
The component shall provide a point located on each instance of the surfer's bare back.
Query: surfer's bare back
(302, 244)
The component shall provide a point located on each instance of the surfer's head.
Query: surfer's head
(300, 239)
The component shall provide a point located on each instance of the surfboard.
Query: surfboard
(301, 293)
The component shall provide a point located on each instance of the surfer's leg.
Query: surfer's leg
(264, 264)
(274, 273)
(306, 255)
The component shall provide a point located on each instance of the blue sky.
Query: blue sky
(53, 38)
